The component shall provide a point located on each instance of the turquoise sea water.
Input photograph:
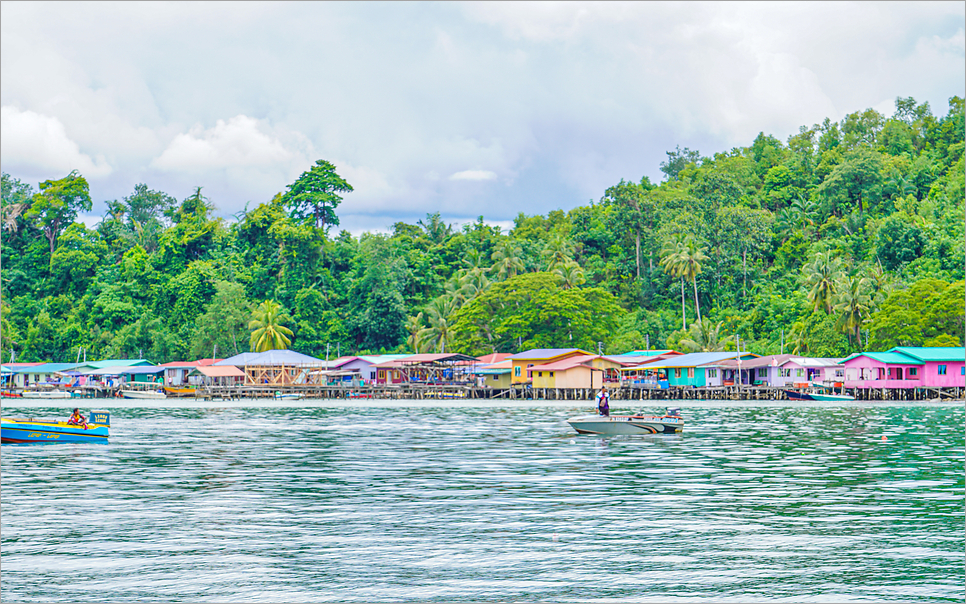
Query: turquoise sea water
(483, 501)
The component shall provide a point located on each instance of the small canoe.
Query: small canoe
(180, 391)
(811, 395)
(42, 431)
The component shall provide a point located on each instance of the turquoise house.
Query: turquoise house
(696, 369)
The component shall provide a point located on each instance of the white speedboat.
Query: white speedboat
(149, 394)
(669, 423)
(46, 394)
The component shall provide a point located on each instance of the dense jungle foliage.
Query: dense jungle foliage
(847, 236)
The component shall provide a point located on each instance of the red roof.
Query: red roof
(221, 371)
(563, 365)
(199, 363)
(496, 357)
(22, 364)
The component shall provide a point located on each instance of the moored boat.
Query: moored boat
(180, 391)
(52, 394)
(294, 396)
(148, 394)
(670, 423)
(815, 395)
(23, 431)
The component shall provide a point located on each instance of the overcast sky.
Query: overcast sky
(465, 109)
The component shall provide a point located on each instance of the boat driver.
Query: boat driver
(76, 419)
(603, 401)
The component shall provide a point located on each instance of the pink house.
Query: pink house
(907, 367)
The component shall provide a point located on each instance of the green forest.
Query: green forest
(848, 236)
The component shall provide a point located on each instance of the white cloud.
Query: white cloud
(240, 142)
(473, 175)
(38, 143)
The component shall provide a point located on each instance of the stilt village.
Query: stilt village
(902, 373)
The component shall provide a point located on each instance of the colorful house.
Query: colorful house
(907, 367)
(496, 375)
(570, 372)
(540, 356)
(693, 370)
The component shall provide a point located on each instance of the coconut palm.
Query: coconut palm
(569, 275)
(682, 257)
(507, 258)
(853, 302)
(703, 336)
(669, 260)
(268, 333)
(438, 334)
(558, 252)
(474, 281)
(822, 275)
(413, 326)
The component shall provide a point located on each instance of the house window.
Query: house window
(551, 374)
(712, 373)
(382, 374)
(516, 371)
(942, 370)
(912, 371)
(690, 372)
(799, 372)
(495, 377)
(762, 372)
(539, 374)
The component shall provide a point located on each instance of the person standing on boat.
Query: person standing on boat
(603, 401)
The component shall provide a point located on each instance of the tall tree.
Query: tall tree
(853, 302)
(508, 259)
(315, 195)
(57, 204)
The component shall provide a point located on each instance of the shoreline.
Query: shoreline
(616, 405)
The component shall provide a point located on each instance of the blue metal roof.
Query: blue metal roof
(271, 357)
(48, 368)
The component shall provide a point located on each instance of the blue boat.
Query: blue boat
(18, 430)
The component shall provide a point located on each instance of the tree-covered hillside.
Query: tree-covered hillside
(847, 236)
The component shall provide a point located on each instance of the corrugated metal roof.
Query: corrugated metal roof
(116, 363)
(546, 353)
(48, 368)
(888, 358)
(933, 353)
(269, 358)
(219, 371)
(565, 364)
(693, 359)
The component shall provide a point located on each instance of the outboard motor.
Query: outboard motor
(674, 411)
(101, 417)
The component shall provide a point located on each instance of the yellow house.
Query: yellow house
(572, 372)
(496, 375)
(540, 356)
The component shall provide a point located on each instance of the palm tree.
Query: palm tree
(822, 275)
(683, 258)
(669, 260)
(507, 258)
(854, 303)
(413, 326)
(558, 252)
(438, 334)
(474, 281)
(705, 337)
(569, 275)
(268, 333)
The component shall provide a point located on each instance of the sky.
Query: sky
(466, 109)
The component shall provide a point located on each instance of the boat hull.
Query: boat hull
(143, 394)
(814, 396)
(21, 431)
(626, 424)
(289, 397)
(53, 394)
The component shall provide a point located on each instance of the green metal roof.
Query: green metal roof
(950, 353)
(889, 358)
(115, 363)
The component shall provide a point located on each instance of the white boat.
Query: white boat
(46, 394)
(669, 423)
(293, 396)
(150, 394)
